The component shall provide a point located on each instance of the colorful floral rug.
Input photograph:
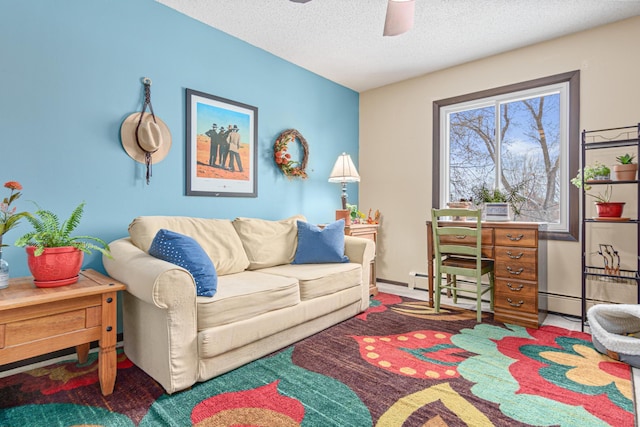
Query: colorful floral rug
(397, 364)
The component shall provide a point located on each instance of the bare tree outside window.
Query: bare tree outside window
(514, 140)
(524, 156)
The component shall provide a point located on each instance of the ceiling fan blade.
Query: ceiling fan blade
(399, 18)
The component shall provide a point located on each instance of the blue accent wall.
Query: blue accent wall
(70, 72)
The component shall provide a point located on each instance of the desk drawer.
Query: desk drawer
(516, 263)
(515, 301)
(516, 237)
(487, 239)
(516, 289)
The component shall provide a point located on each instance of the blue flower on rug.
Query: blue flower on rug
(503, 373)
(272, 388)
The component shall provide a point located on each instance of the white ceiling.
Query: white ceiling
(342, 40)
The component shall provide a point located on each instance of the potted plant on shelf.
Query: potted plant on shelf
(625, 170)
(596, 172)
(604, 206)
(54, 256)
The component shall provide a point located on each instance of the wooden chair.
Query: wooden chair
(458, 252)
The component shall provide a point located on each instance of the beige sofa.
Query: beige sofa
(263, 302)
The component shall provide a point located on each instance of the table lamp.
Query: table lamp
(344, 171)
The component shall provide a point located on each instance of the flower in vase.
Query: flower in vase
(9, 218)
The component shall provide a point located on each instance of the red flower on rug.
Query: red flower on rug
(379, 303)
(417, 354)
(566, 368)
(259, 406)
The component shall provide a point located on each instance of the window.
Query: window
(521, 139)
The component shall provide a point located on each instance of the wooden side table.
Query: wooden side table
(367, 231)
(36, 321)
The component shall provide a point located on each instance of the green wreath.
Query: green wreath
(290, 168)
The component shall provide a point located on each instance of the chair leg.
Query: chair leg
(437, 284)
(454, 282)
(479, 299)
(492, 291)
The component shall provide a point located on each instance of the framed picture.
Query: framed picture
(222, 140)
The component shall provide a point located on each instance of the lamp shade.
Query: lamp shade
(344, 170)
(399, 17)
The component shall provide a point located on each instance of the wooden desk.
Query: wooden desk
(520, 269)
(36, 321)
(366, 231)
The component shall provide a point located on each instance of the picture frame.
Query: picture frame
(221, 139)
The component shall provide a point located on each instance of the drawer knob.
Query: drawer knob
(515, 238)
(516, 288)
(510, 254)
(514, 304)
(461, 237)
(517, 273)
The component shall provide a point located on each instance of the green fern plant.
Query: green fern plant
(49, 232)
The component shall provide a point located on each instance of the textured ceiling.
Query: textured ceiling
(342, 40)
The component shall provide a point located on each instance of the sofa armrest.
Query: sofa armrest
(361, 251)
(160, 315)
(150, 279)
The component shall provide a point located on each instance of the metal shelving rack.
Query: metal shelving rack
(628, 136)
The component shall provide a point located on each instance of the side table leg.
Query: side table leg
(107, 364)
(83, 352)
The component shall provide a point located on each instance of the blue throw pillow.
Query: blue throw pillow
(317, 246)
(185, 252)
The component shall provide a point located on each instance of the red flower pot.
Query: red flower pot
(609, 209)
(55, 266)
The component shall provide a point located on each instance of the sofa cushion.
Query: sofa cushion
(320, 279)
(268, 243)
(245, 295)
(320, 245)
(185, 252)
(217, 237)
(277, 329)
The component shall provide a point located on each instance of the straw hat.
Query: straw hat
(153, 137)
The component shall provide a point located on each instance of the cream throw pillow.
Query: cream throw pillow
(268, 243)
(217, 237)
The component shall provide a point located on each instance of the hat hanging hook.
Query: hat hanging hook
(145, 137)
(148, 160)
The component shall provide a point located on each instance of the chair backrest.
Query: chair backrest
(457, 239)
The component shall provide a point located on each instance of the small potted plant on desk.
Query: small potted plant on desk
(54, 256)
(499, 205)
(599, 174)
(625, 170)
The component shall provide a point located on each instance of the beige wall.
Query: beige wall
(396, 141)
